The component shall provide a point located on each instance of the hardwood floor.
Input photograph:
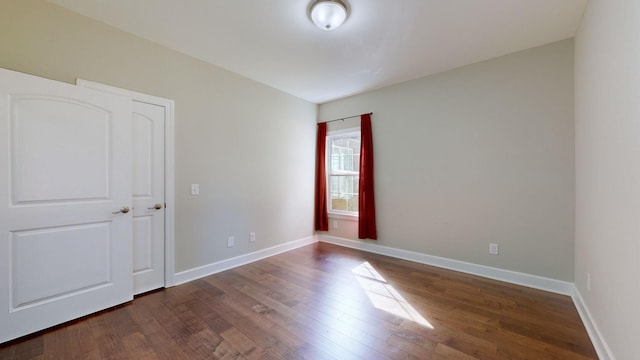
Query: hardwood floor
(325, 302)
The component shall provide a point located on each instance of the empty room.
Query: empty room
(319, 179)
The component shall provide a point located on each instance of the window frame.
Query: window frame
(338, 214)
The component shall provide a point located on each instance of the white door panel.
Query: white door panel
(65, 166)
(143, 153)
(42, 258)
(38, 178)
(143, 260)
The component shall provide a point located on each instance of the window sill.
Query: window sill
(343, 217)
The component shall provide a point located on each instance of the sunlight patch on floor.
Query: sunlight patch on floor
(384, 297)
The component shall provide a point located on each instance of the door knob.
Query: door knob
(157, 206)
(124, 210)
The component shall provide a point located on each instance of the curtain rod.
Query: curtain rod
(344, 118)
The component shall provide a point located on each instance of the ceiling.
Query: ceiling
(383, 42)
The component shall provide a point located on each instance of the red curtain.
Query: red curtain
(366, 202)
(321, 215)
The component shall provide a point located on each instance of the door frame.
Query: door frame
(169, 168)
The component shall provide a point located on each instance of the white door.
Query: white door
(65, 174)
(148, 196)
(150, 115)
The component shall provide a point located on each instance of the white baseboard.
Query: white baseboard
(210, 269)
(603, 350)
(533, 281)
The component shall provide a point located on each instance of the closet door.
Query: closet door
(150, 119)
(65, 202)
(148, 196)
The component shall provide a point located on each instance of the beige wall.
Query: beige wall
(246, 144)
(479, 154)
(607, 82)
(475, 155)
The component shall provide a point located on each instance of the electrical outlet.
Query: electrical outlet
(252, 237)
(231, 241)
(195, 189)
(335, 224)
(493, 249)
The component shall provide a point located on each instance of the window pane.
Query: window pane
(343, 192)
(345, 154)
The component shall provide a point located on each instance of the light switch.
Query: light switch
(195, 189)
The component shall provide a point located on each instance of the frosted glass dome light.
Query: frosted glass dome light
(328, 14)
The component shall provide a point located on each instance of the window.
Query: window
(343, 150)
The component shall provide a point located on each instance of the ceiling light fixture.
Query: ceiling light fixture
(328, 14)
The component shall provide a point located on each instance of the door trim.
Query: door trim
(169, 175)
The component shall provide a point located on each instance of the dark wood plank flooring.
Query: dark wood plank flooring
(324, 302)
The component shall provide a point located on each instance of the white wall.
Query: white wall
(607, 103)
(475, 155)
(246, 144)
